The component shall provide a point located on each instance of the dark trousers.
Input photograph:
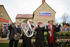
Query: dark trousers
(52, 44)
(27, 41)
(11, 43)
(40, 43)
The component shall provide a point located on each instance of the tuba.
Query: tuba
(27, 29)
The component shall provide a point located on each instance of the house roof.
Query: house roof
(24, 16)
(1, 5)
(5, 11)
(42, 4)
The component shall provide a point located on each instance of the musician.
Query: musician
(18, 30)
(40, 35)
(12, 29)
(27, 40)
(51, 35)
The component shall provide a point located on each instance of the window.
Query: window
(19, 20)
(1, 14)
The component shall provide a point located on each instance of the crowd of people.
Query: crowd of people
(51, 30)
(65, 28)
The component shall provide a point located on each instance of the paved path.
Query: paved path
(6, 40)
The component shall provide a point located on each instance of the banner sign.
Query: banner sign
(45, 14)
(4, 20)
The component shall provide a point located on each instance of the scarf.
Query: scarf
(51, 38)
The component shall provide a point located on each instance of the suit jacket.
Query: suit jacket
(55, 29)
(40, 33)
(18, 30)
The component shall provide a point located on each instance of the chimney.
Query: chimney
(43, 1)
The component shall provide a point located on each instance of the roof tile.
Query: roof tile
(24, 16)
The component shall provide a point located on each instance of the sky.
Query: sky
(14, 7)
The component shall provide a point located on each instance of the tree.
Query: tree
(64, 18)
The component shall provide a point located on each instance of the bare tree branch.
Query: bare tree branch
(64, 18)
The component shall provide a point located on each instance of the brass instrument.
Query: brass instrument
(27, 29)
(17, 36)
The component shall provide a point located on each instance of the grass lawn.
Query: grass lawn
(7, 45)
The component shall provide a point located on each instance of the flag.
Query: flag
(45, 14)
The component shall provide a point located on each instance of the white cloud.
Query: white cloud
(15, 7)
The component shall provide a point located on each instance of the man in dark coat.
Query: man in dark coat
(51, 35)
(40, 35)
(13, 31)
(27, 40)
(18, 30)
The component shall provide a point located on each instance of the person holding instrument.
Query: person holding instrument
(51, 35)
(27, 40)
(39, 41)
(12, 29)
